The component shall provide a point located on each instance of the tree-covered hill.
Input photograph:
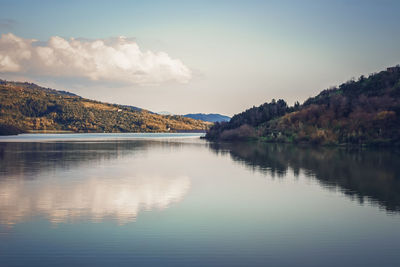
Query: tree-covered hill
(27, 107)
(365, 111)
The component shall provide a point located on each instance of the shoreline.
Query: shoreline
(261, 140)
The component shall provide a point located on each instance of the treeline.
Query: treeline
(26, 107)
(363, 111)
(243, 125)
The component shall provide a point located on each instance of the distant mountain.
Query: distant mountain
(366, 111)
(27, 107)
(208, 117)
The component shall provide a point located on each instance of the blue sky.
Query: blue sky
(237, 53)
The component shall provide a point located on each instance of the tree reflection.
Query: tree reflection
(364, 174)
(31, 159)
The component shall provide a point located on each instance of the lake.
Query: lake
(178, 200)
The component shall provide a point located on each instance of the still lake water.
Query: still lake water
(177, 200)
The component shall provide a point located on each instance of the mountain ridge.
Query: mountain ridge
(30, 107)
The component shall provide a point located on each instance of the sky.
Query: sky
(196, 56)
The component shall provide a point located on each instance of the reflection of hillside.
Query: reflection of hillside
(28, 160)
(371, 174)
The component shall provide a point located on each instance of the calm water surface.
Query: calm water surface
(176, 200)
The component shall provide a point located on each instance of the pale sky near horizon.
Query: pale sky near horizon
(196, 56)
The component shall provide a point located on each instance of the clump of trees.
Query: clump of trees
(10, 130)
(363, 111)
(243, 125)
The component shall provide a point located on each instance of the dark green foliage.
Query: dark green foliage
(366, 111)
(10, 130)
(251, 118)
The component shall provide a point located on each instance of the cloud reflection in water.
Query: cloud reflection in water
(94, 199)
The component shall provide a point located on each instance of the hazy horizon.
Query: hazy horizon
(196, 57)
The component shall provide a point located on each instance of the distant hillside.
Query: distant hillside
(208, 117)
(26, 85)
(27, 107)
(366, 111)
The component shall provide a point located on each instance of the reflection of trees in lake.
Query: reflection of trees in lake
(27, 160)
(30, 159)
(359, 173)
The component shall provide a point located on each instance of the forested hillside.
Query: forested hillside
(362, 111)
(27, 107)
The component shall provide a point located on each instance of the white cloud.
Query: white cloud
(118, 59)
